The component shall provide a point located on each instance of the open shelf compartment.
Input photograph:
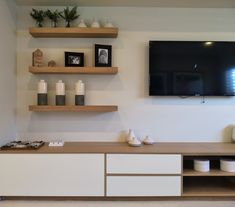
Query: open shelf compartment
(213, 183)
(188, 166)
(209, 186)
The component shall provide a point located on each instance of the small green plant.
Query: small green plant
(69, 15)
(53, 16)
(38, 15)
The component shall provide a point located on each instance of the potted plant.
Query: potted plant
(69, 15)
(38, 15)
(53, 16)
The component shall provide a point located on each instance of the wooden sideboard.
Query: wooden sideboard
(106, 170)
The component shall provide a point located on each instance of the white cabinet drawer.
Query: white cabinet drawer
(143, 164)
(52, 175)
(143, 186)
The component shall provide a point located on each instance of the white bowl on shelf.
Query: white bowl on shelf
(135, 142)
(202, 165)
(227, 165)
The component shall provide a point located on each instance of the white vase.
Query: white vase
(95, 24)
(82, 24)
(130, 136)
(108, 24)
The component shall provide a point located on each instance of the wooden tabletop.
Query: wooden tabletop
(119, 147)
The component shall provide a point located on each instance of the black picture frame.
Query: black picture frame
(103, 55)
(74, 59)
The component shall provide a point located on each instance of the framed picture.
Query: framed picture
(74, 59)
(103, 55)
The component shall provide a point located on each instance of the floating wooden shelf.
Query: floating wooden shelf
(212, 172)
(73, 70)
(74, 32)
(91, 108)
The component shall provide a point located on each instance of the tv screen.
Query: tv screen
(191, 68)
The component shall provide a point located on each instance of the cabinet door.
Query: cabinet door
(143, 186)
(144, 163)
(52, 175)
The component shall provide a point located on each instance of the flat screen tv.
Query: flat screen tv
(191, 68)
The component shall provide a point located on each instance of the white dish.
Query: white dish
(56, 144)
(134, 144)
(148, 140)
(148, 143)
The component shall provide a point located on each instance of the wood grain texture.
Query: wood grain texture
(212, 172)
(209, 186)
(73, 70)
(211, 190)
(73, 32)
(194, 149)
(95, 108)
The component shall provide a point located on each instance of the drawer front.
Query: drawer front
(143, 186)
(143, 164)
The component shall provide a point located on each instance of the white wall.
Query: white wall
(7, 71)
(166, 119)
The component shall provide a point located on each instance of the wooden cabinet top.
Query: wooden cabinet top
(119, 147)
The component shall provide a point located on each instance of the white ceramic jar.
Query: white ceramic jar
(202, 165)
(227, 165)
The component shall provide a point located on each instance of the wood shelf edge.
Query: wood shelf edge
(71, 108)
(73, 32)
(208, 194)
(73, 70)
(212, 172)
